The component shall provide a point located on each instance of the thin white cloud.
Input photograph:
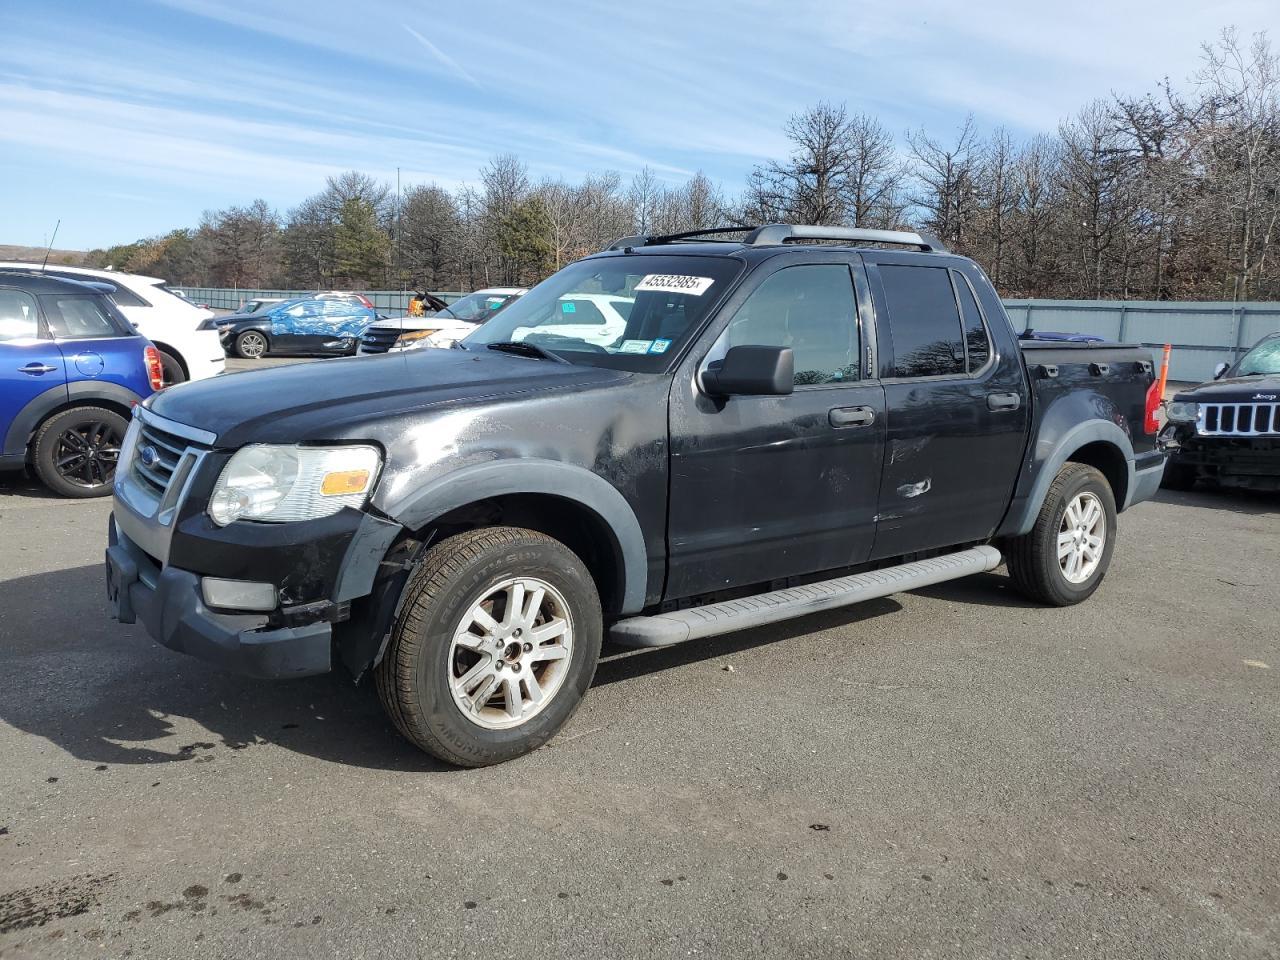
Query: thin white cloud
(440, 55)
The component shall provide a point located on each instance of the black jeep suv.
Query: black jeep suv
(788, 422)
(1227, 431)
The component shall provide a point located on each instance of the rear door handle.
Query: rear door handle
(1003, 401)
(852, 417)
(35, 369)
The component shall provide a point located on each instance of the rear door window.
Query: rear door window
(83, 317)
(924, 324)
(19, 319)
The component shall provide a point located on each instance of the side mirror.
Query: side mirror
(751, 371)
(1220, 369)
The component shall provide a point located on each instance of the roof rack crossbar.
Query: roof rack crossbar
(641, 241)
(775, 233)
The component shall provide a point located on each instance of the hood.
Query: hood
(326, 399)
(1260, 389)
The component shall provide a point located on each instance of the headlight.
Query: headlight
(279, 484)
(1180, 411)
(413, 336)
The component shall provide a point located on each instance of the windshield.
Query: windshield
(477, 307)
(626, 312)
(1262, 359)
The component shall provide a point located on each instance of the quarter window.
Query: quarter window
(18, 317)
(924, 324)
(977, 341)
(79, 318)
(809, 309)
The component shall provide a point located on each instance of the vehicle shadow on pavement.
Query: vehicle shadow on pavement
(1254, 503)
(16, 483)
(982, 590)
(107, 693)
(618, 663)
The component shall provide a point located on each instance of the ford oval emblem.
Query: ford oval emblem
(149, 456)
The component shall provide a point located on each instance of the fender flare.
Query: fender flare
(533, 476)
(76, 393)
(1091, 431)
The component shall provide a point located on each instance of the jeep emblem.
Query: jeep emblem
(1265, 396)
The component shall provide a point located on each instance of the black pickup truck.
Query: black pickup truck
(787, 422)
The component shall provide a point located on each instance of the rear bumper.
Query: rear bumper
(169, 604)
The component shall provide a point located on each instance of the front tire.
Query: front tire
(1065, 556)
(76, 452)
(494, 648)
(252, 344)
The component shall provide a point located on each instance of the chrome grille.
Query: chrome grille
(379, 339)
(1238, 419)
(156, 476)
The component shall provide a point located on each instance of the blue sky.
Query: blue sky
(129, 118)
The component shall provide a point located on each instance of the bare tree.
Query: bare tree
(946, 175)
(840, 168)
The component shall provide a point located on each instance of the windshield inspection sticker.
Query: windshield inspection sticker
(635, 346)
(568, 306)
(675, 283)
(660, 346)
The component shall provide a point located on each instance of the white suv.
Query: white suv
(442, 329)
(189, 349)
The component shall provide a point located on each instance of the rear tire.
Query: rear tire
(494, 647)
(252, 345)
(75, 452)
(1065, 556)
(171, 368)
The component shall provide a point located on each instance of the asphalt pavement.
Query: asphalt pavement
(948, 773)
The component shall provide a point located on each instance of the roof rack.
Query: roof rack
(778, 233)
(784, 232)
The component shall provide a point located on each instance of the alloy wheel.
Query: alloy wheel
(1082, 537)
(252, 345)
(511, 653)
(87, 454)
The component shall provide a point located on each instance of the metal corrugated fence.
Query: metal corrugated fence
(1202, 334)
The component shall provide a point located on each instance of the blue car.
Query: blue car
(323, 325)
(71, 369)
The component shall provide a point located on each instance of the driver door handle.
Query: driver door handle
(852, 417)
(35, 369)
(1003, 401)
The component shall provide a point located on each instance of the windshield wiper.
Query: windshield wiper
(523, 348)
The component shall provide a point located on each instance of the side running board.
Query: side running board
(665, 629)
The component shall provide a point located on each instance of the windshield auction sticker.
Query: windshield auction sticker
(675, 283)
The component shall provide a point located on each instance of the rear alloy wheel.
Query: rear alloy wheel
(251, 344)
(76, 452)
(494, 647)
(1065, 556)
